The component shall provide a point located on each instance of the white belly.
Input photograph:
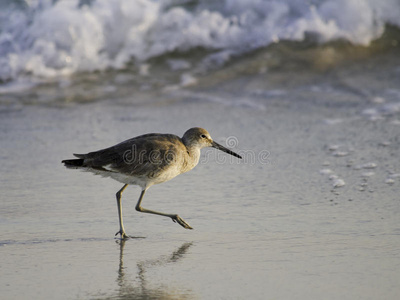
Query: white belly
(143, 181)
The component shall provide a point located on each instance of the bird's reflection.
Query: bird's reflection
(129, 289)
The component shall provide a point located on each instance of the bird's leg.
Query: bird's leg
(121, 224)
(174, 217)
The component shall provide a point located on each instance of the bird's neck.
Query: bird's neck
(193, 157)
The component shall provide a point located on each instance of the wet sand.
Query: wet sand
(310, 212)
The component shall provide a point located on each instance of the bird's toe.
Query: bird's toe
(124, 236)
(182, 222)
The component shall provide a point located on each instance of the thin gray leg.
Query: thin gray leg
(121, 224)
(174, 217)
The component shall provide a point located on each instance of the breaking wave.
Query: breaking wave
(45, 38)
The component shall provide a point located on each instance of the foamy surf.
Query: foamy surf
(49, 39)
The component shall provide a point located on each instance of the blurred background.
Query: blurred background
(82, 51)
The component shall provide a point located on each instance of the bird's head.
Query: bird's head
(200, 138)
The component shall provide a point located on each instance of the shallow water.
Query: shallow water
(271, 226)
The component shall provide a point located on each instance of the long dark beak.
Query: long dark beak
(222, 148)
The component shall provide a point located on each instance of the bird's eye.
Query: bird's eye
(203, 136)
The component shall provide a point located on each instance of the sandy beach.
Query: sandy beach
(310, 212)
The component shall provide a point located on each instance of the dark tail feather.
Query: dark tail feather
(73, 163)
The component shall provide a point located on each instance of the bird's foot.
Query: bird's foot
(124, 236)
(180, 221)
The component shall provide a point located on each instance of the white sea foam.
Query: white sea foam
(378, 112)
(370, 165)
(187, 80)
(55, 38)
(338, 183)
(367, 174)
(389, 181)
(333, 177)
(340, 153)
(333, 147)
(325, 171)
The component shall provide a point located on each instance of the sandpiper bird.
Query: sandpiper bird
(147, 160)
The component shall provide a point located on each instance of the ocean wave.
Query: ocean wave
(46, 38)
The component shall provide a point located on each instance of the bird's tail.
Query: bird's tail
(73, 163)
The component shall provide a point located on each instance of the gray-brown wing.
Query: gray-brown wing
(144, 155)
